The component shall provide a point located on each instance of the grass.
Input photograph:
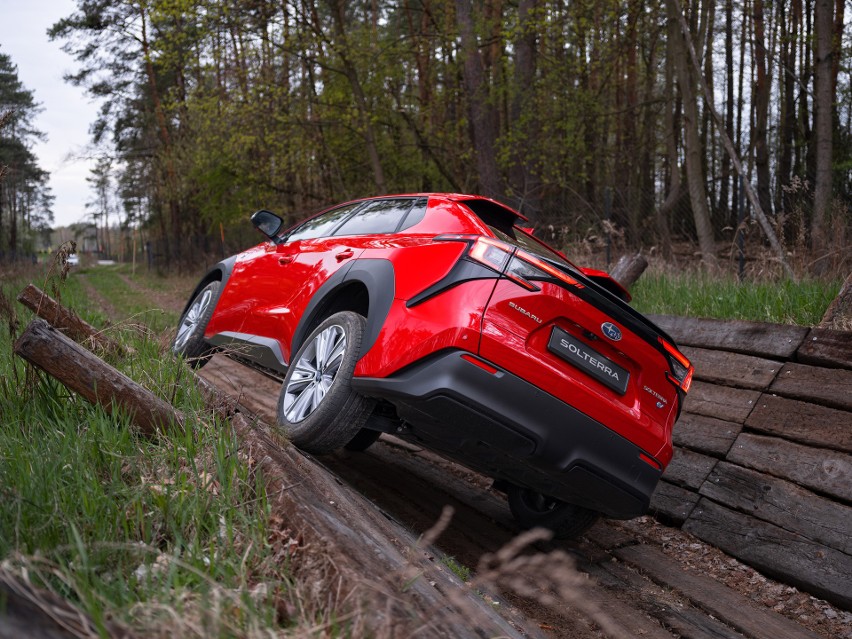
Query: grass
(698, 295)
(167, 537)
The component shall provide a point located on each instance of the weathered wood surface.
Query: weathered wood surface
(779, 553)
(665, 615)
(825, 347)
(689, 468)
(66, 320)
(782, 503)
(802, 422)
(721, 402)
(715, 598)
(375, 563)
(771, 415)
(826, 386)
(774, 341)
(732, 369)
(673, 504)
(95, 380)
(823, 470)
(705, 434)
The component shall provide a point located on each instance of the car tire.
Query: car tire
(189, 341)
(531, 509)
(317, 408)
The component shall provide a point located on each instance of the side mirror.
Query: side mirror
(267, 223)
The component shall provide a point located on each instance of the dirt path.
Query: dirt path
(653, 581)
(98, 300)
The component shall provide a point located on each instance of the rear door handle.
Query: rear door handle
(345, 255)
(285, 259)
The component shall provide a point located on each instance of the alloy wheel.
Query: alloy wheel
(193, 318)
(314, 374)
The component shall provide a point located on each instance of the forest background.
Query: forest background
(590, 117)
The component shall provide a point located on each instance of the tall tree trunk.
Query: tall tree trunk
(823, 102)
(523, 174)
(761, 105)
(693, 151)
(787, 89)
(171, 186)
(338, 13)
(483, 114)
(724, 188)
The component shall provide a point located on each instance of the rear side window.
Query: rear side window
(322, 225)
(379, 217)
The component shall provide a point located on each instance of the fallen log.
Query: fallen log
(839, 312)
(96, 381)
(66, 320)
(31, 612)
(628, 269)
(372, 563)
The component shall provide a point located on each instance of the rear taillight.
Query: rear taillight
(681, 368)
(516, 264)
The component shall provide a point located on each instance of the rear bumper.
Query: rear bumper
(505, 427)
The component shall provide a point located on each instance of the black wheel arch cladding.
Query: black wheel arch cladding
(376, 275)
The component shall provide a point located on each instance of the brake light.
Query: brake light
(514, 263)
(681, 368)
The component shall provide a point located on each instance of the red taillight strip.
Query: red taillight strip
(650, 461)
(547, 268)
(480, 245)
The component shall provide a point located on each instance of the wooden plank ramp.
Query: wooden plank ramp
(763, 451)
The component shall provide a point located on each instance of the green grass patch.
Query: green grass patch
(696, 295)
(153, 534)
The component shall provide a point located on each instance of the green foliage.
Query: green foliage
(25, 198)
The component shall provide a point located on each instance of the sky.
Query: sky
(67, 112)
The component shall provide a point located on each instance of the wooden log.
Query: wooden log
(721, 602)
(802, 422)
(35, 613)
(825, 347)
(827, 386)
(628, 269)
(774, 341)
(776, 552)
(366, 559)
(732, 369)
(721, 402)
(705, 434)
(676, 615)
(822, 470)
(672, 504)
(95, 380)
(840, 309)
(689, 468)
(781, 503)
(66, 320)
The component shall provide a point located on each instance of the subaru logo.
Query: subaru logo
(611, 331)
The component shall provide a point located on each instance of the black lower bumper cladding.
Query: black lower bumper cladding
(509, 429)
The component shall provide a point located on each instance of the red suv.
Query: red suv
(440, 319)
